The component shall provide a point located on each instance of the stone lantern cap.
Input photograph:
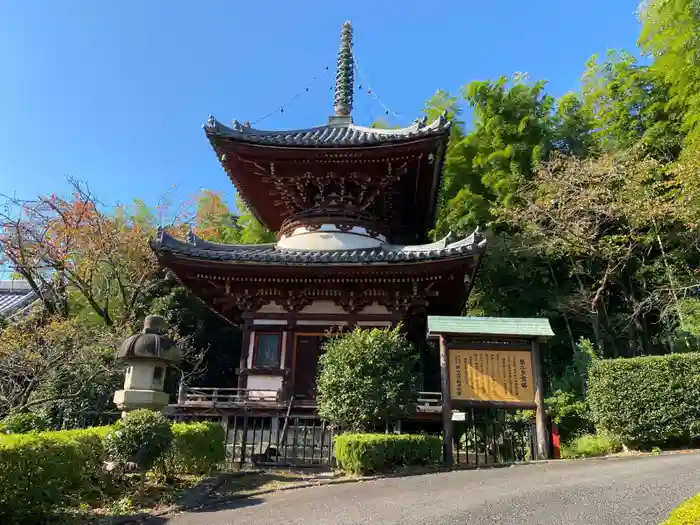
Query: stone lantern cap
(151, 344)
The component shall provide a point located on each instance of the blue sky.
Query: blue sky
(115, 92)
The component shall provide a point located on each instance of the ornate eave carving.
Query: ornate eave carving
(398, 296)
(357, 192)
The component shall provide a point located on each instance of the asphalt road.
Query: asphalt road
(625, 491)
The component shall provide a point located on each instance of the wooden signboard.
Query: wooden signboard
(492, 362)
(500, 376)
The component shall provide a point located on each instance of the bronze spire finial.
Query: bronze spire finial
(344, 76)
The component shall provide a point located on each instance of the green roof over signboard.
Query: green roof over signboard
(532, 327)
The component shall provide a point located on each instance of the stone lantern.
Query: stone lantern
(147, 355)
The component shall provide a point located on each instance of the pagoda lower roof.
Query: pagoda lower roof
(340, 132)
(196, 248)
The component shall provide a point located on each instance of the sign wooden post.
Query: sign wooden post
(540, 417)
(446, 402)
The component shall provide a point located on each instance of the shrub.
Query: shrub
(368, 453)
(367, 377)
(197, 448)
(22, 422)
(589, 446)
(647, 401)
(570, 413)
(142, 437)
(41, 471)
(687, 514)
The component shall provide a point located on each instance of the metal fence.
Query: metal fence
(279, 441)
(485, 437)
(492, 437)
(85, 420)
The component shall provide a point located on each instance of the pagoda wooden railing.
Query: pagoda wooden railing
(202, 396)
(227, 396)
(429, 401)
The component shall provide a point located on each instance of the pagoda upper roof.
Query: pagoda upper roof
(340, 132)
(387, 179)
(197, 248)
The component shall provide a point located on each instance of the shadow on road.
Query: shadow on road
(231, 505)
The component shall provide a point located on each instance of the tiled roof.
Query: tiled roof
(15, 295)
(513, 326)
(340, 132)
(270, 253)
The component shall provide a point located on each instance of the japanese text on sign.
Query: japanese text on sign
(491, 375)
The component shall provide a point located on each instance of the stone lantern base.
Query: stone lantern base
(134, 399)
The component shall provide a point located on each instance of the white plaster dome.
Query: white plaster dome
(329, 237)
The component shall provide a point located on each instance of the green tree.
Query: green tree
(366, 378)
(572, 126)
(629, 104)
(214, 221)
(669, 35)
(59, 367)
(511, 133)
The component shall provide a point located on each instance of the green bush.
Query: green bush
(197, 448)
(141, 437)
(589, 446)
(22, 422)
(369, 453)
(687, 514)
(647, 401)
(366, 378)
(570, 412)
(42, 471)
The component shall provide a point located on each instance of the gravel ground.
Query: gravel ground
(619, 491)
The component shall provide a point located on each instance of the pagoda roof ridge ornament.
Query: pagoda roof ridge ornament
(344, 74)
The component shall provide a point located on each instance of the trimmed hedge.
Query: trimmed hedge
(647, 401)
(41, 471)
(687, 514)
(368, 453)
(197, 448)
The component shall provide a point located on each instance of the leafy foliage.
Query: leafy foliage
(40, 471)
(197, 448)
(77, 257)
(647, 401)
(688, 513)
(590, 445)
(369, 453)
(628, 103)
(367, 377)
(669, 35)
(22, 423)
(217, 223)
(141, 437)
(49, 361)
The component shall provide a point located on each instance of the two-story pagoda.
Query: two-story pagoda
(352, 207)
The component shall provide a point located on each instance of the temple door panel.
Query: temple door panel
(307, 350)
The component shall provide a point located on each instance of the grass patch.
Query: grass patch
(590, 445)
(687, 514)
(121, 498)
